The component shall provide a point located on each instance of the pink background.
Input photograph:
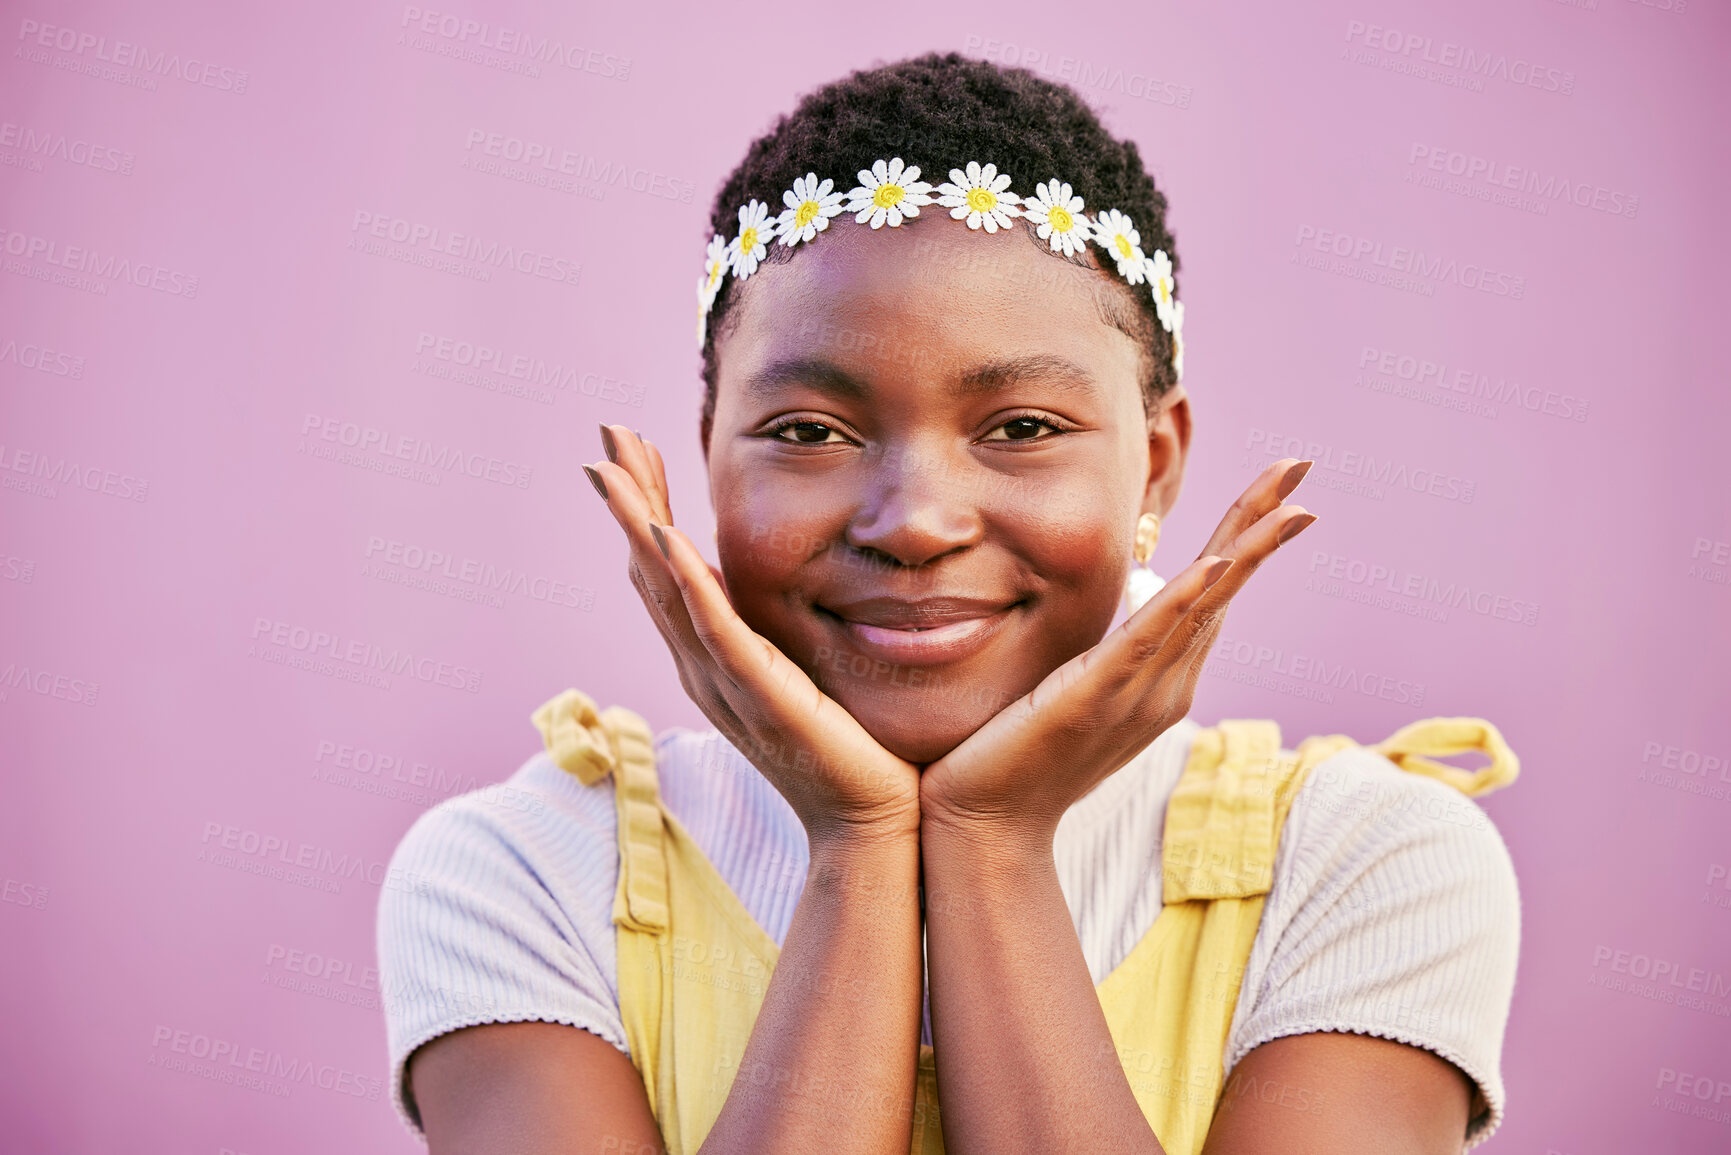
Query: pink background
(146, 717)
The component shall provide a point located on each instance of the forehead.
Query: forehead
(930, 297)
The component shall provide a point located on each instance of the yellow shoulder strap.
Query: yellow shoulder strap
(590, 744)
(693, 967)
(1410, 746)
(1170, 1005)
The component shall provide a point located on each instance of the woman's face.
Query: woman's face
(928, 426)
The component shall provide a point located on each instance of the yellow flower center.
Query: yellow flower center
(1122, 244)
(807, 210)
(981, 200)
(1059, 218)
(748, 240)
(714, 273)
(888, 196)
(1165, 293)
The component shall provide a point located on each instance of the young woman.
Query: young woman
(954, 871)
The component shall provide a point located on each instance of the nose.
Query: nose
(917, 508)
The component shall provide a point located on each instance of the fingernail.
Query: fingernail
(1216, 572)
(595, 480)
(660, 540)
(1291, 528)
(607, 444)
(1290, 479)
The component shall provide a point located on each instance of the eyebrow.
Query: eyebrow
(830, 379)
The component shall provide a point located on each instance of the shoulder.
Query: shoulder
(540, 809)
(1389, 847)
(1394, 912)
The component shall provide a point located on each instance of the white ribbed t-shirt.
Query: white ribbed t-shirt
(1394, 909)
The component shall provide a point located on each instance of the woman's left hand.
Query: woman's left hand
(1016, 775)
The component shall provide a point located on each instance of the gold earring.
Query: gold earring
(1144, 582)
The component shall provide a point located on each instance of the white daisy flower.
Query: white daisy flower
(1178, 339)
(1159, 272)
(1058, 212)
(714, 266)
(887, 193)
(704, 298)
(749, 247)
(810, 205)
(981, 196)
(1114, 232)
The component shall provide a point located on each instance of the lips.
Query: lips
(929, 631)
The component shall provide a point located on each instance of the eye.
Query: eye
(1025, 427)
(806, 432)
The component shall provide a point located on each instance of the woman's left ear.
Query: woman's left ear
(1168, 449)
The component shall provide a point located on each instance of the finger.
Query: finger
(1130, 648)
(625, 449)
(758, 680)
(648, 568)
(1248, 550)
(1271, 487)
(660, 469)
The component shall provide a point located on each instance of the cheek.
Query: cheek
(767, 532)
(1080, 550)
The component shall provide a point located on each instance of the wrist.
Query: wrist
(1013, 844)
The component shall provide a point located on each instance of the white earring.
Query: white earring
(1144, 582)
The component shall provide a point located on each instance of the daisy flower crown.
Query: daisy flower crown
(890, 192)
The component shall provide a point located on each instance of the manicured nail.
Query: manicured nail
(1291, 528)
(1290, 479)
(660, 540)
(1216, 572)
(595, 480)
(607, 444)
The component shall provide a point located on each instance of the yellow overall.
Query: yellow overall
(694, 965)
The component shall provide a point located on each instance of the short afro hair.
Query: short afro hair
(939, 112)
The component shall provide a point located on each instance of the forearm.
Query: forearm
(831, 1060)
(1025, 1058)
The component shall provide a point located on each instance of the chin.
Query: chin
(920, 726)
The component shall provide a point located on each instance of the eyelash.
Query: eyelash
(774, 431)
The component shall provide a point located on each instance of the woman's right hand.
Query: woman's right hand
(835, 775)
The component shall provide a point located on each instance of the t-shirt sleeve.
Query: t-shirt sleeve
(472, 929)
(1395, 913)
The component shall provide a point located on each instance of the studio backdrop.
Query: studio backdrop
(309, 314)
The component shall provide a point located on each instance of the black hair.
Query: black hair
(940, 112)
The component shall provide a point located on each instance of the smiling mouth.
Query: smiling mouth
(925, 643)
